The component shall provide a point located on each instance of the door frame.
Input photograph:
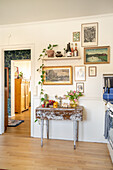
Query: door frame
(9, 48)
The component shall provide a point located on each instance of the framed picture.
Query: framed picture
(76, 36)
(92, 71)
(80, 87)
(89, 34)
(58, 75)
(80, 73)
(97, 55)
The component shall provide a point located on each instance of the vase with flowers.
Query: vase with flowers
(73, 97)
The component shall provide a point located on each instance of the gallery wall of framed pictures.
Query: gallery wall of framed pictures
(93, 54)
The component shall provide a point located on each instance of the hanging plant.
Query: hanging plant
(40, 69)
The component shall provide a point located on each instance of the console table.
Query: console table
(74, 114)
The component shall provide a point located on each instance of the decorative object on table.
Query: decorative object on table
(97, 55)
(76, 36)
(92, 70)
(80, 87)
(60, 100)
(80, 73)
(55, 104)
(65, 105)
(50, 51)
(89, 34)
(73, 97)
(57, 75)
(59, 54)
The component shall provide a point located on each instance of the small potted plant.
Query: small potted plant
(50, 51)
(73, 97)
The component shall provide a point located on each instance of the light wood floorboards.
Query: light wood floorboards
(20, 152)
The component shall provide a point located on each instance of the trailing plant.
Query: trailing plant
(44, 51)
(41, 81)
(40, 69)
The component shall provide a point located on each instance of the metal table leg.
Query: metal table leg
(42, 129)
(47, 124)
(75, 132)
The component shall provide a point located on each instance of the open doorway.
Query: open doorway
(18, 92)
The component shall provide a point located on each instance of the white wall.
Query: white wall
(60, 32)
(24, 67)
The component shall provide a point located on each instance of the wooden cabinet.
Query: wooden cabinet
(21, 95)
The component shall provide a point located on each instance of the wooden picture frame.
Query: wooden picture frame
(58, 75)
(97, 55)
(76, 36)
(80, 87)
(92, 71)
(7, 80)
(89, 34)
(80, 73)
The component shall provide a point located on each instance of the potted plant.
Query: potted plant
(73, 97)
(50, 51)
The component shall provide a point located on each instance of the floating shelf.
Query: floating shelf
(61, 58)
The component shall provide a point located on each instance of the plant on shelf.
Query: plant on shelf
(49, 51)
(73, 97)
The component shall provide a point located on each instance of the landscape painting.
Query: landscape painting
(58, 75)
(97, 55)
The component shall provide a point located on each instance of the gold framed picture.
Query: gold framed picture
(89, 34)
(58, 75)
(97, 55)
(92, 70)
(80, 73)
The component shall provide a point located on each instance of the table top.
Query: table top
(60, 113)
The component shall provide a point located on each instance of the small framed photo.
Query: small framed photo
(80, 87)
(89, 34)
(76, 36)
(80, 73)
(92, 71)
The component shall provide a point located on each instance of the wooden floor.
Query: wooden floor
(20, 152)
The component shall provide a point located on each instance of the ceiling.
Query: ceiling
(24, 11)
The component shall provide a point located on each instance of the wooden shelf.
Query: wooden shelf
(61, 58)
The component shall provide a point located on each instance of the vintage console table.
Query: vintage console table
(74, 114)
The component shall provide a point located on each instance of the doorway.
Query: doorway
(20, 59)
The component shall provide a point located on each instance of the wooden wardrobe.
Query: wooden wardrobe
(21, 95)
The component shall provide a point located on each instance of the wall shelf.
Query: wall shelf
(61, 58)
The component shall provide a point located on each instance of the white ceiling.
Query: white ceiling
(23, 11)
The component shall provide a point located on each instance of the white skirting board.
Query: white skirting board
(110, 151)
